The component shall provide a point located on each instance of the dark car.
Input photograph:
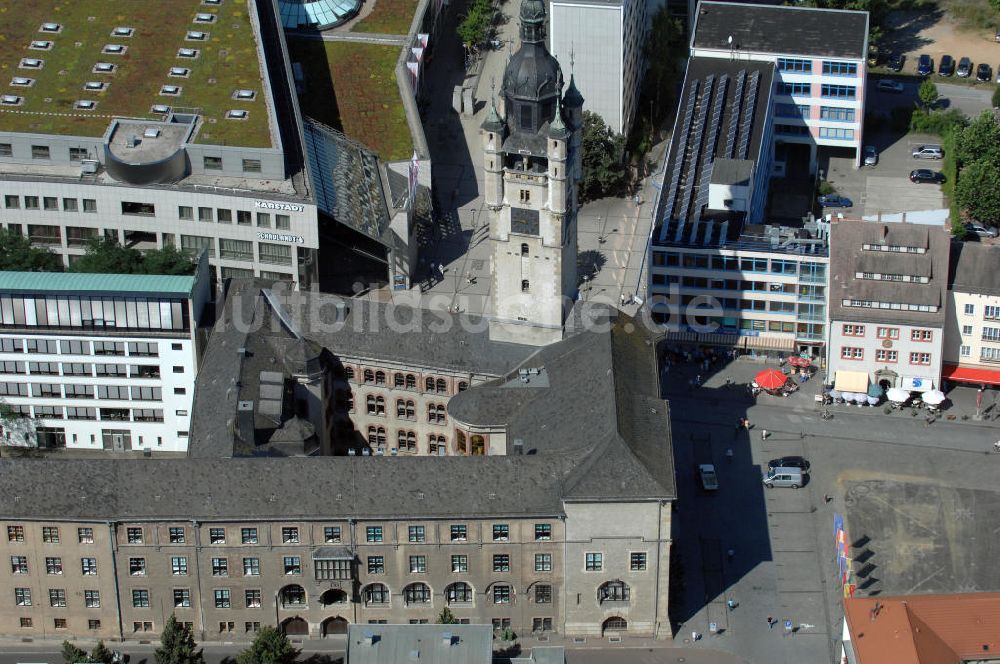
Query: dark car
(788, 462)
(926, 175)
(964, 68)
(835, 200)
(925, 66)
(947, 66)
(984, 73)
(896, 61)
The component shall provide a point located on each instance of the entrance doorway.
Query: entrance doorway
(614, 625)
(334, 626)
(295, 627)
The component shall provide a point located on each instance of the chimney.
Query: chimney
(518, 446)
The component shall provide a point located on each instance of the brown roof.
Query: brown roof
(924, 629)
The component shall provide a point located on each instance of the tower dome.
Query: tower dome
(532, 80)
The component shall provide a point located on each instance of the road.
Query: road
(970, 100)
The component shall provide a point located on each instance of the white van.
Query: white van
(790, 477)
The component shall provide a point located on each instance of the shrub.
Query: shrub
(824, 188)
(937, 122)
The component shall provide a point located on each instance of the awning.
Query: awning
(784, 343)
(971, 375)
(851, 381)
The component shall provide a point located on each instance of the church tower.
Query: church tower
(532, 171)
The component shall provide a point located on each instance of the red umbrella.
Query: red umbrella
(770, 379)
(797, 361)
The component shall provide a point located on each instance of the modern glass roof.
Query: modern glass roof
(318, 14)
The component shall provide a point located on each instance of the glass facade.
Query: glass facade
(93, 313)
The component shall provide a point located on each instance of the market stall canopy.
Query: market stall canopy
(934, 397)
(851, 381)
(770, 379)
(897, 395)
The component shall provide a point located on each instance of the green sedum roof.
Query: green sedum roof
(93, 284)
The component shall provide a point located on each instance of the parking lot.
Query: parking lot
(920, 502)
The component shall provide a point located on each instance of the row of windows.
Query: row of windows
(237, 250)
(78, 154)
(882, 355)
(94, 312)
(806, 269)
(82, 347)
(831, 91)
(853, 330)
(836, 133)
(282, 222)
(990, 312)
(458, 533)
(74, 391)
(92, 624)
(895, 306)
(407, 381)
(406, 441)
(894, 248)
(178, 535)
(83, 369)
(85, 413)
(48, 203)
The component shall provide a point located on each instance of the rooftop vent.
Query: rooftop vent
(244, 94)
(22, 81)
(160, 108)
(132, 141)
(204, 18)
(41, 45)
(122, 31)
(114, 49)
(85, 105)
(211, 2)
(94, 85)
(171, 90)
(180, 71)
(11, 100)
(196, 35)
(89, 166)
(151, 132)
(518, 446)
(50, 27)
(370, 638)
(32, 63)
(187, 53)
(104, 68)
(236, 114)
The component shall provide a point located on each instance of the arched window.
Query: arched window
(372, 436)
(401, 439)
(478, 445)
(380, 378)
(502, 593)
(400, 407)
(349, 373)
(458, 593)
(411, 442)
(462, 386)
(398, 380)
(417, 593)
(436, 413)
(380, 437)
(380, 405)
(411, 382)
(613, 591)
(376, 593)
(370, 403)
(460, 442)
(524, 285)
(292, 596)
(333, 596)
(437, 445)
(442, 385)
(429, 385)
(614, 624)
(411, 410)
(369, 376)
(524, 248)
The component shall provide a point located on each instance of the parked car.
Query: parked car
(997, 35)
(787, 477)
(896, 61)
(926, 175)
(947, 66)
(973, 228)
(871, 155)
(889, 85)
(983, 73)
(789, 462)
(835, 200)
(927, 152)
(964, 68)
(709, 480)
(925, 65)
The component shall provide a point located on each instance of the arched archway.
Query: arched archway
(292, 596)
(335, 625)
(333, 596)
(295, 627)
(614, 625)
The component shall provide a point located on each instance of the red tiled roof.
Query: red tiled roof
(924, 629)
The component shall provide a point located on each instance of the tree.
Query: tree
(603, 172)
(979, 140)
(664, 47)
(928, 93)
(72, 654)
(106, 255)
(446, 617)
(978, 191)
(177, 645)
(101, 654)
(269, 647)
(475, 23)
(17, 254)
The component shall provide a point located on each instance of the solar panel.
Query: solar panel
(694, 152)
(734, 114)
(748, 112)
(681, 142)
(708, 152)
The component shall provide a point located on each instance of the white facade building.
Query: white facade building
(972, 328)
(600, 42)
(887, 305)
(820, 58)
(99, 361)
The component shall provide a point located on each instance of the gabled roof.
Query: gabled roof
(924, 629)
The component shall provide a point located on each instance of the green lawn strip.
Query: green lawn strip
(388, 17)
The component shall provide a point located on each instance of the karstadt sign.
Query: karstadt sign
(280, 207)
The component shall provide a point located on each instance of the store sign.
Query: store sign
(278, 237)
(280, 207)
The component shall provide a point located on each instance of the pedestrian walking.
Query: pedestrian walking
(746, 423)
(763, 434)
(695, 636)
(729, 455)
(729, 555)
(770, 622)
(731, 603)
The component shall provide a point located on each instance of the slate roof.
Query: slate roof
(921, 629)
(974, 268)
(848, 258)
(781, 30)
(435, 644)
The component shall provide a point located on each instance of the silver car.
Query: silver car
(871, 155)
(927, 152)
